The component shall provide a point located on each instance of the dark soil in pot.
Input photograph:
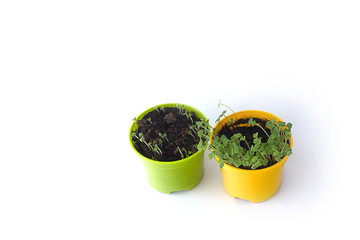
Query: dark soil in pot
(173, 122)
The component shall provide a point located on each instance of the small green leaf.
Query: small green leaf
(229, 161)
(251, 122)
(231, 121)
(221, 164)
(199, 124)
(200, 145)
(276, 153)
(288, 152)
(237, 163)
(221, 115)
(280, 124)
(265, 161)
(257, 141)
(269, 124)
(269, 149)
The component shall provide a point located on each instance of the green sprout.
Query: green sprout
(182, 155)
(157, 149)
(164, 136)
(142, 139)
(191, 133)
(223, 113)
(160, 142)
(181, 108)
(188, 116)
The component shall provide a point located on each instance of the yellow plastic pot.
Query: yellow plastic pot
(253, 185)
(167, 177)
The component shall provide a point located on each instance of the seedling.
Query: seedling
(191, 133)
(164, 136)
(149, 120)
(158, 109)
(188, 116)
(257, 155)
(181, 108)
(188, 153)
(157, 149)
(182, 155)
(160, 142)
(224, 112)
(142, 139)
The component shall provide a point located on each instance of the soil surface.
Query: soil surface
(175, 125)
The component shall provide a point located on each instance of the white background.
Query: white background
(74, 73)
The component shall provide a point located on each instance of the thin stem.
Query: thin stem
(220, 103)
(159, 150)
(262, 129)
(247, 144)
(226, 107)
(182, 155)
(282, 150)
(134, 135)
(149, 146)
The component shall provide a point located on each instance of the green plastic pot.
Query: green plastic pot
(167, 177)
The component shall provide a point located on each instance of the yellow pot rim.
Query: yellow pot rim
(248, 113)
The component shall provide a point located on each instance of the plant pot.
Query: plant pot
(167, 177)
(253, 185)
